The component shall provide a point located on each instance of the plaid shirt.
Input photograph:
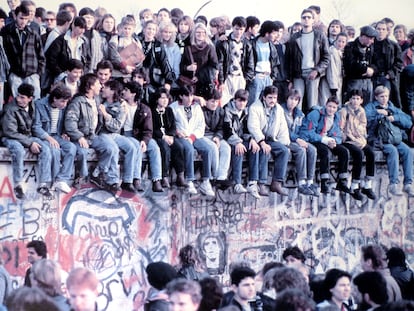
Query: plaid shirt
(27, 59)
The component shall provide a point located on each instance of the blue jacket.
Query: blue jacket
(42, 121)
(401, 119)
(314, 123)
(294, 127)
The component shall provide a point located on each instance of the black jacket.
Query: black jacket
(224, 59)
(356, 61)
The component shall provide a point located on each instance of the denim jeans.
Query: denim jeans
(305, 160)
(130, 152)
(394, 154)
(63, 159)
(222, 157)
(17, 152)
(257, 86)
(154, 155)
(177, 161)
(137, 165)
(108, 156)
(280, 155)
(253, 160)
(208, 151)
(188, 158)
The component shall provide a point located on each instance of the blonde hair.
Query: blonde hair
(203, 27)
(381, 90)
(167, 25)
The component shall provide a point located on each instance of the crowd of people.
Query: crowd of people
(382, 281)
(231, 91)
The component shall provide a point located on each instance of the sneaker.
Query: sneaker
(62, 186)
(191, 188)
(44, 190)
(97, 181)
(253, 190)
(206, 189)
(304, 189)
(369, 193)
(315, 190)
(393, 189)
(19, 193)
(356, 194)
(238, 188)
(263, 190)
(409, 190)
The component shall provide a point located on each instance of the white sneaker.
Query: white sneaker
(206, 189)
(62, 186)
(191, 189)
(238, 188)
(253, 190)
(394, 190)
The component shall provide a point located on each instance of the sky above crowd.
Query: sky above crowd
(351, 12)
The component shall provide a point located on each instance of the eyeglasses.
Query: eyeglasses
(50, 19)
(306, 17)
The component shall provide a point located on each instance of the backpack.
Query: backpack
(388, 133)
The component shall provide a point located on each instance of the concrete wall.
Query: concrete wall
(117, 236)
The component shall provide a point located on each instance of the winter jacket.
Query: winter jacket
(117, 114)
(142, 125)
(405, 279)
(78, 119)
(235, 127)
(224, 59)
(24, 60)
(294, 126)
(294, 54)
(42, 120)
(354, 126)
(357, 59)
(314, 124)
(261, 129)
(59, 54)
(17, 123)
(387, 59)
(273, 59)
(214, 122)
(401, 119)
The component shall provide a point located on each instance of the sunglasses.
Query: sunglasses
(306, 17)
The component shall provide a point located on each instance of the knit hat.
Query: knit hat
(159, 274)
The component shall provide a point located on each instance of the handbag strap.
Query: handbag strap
(191, 57)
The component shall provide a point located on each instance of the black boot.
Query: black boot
(181, 182)
(342, 186)
(324, 186)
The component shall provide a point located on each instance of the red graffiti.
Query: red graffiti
(6, 189)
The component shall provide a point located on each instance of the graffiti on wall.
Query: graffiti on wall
(118, 235)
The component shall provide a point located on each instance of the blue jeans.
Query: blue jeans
(222, 158)
(137, 166)
(177, 160)
(18, 152)
(108, 156)
(280, 155)
(394, 154)
(305, 160)
(188, 158)
(257, 86)
(208, 151)
(253, 160)
(154, 155)
(128, 148)
(63, 159)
